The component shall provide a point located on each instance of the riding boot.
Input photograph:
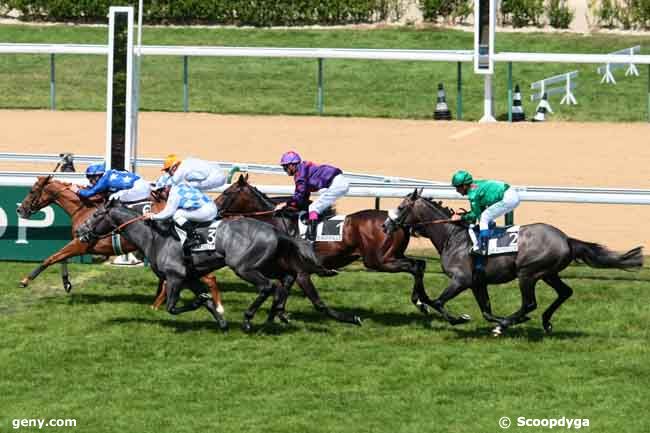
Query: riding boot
(483, 239)
(193, 239)
(311, 230)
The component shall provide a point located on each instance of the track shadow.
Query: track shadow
(120, 298)
(208, 325)
(385, 317)
(529, 333)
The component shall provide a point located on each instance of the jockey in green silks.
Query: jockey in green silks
(489, 199)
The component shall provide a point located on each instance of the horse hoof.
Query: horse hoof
(424, 309)
(497, 331)
(223, 325)
(246, 327)
(548, 328)
(284, 318)
(67, 286)
(357, 321)
(24, 282)
(154, 307)
(463, 318)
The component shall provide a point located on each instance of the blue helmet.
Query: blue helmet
(96, 169)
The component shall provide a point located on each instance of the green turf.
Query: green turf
(352, 87)
(101, 356)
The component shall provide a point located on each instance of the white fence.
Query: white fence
(567, 84)
(631, 67)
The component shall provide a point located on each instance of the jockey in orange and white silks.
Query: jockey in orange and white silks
(329, 181)
(195, 172)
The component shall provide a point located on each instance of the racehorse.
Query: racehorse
(543, 251)
(255, 251)
(46, 191)
(363, 237)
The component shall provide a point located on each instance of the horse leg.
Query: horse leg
(199, 290)
(528, 304)
(279, 300)
(173, 294)
(389, 263)
(452, 290)
(211, 282)
(304, 281)
(483, 300)
(265, 288)
(65, 276)
(564, 292)
(281, 307)
(71, 249)
(160, 295)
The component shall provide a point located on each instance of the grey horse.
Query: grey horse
(255, 251)
(544, 251)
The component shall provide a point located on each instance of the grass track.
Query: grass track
(288, 86)
(101, 356)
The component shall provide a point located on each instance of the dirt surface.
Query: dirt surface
(548, 154)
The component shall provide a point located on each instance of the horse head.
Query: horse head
(402, 216)
(242, 197)
(37, 198)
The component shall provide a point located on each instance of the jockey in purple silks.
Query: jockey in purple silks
(329, 181)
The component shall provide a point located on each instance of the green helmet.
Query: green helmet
(461, 177)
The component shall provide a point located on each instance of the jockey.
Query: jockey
(123, 185)
(310, 177)
(195, 172)
(187, 204)
(489, 199)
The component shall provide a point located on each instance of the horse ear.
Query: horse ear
(420, 192)
(246, 177)
(241, 181)
(414, 194)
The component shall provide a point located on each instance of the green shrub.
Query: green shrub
(448, 10)
(522, 13)
(236, 12)
(641, 13)
(559, 14)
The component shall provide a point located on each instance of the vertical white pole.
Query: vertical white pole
(488, 99)
(109, 86)
(136, 84)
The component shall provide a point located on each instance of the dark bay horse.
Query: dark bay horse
(46, 191)
(363, 237)
(544, 251)
(257, 252)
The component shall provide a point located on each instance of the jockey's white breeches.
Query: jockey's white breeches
(138, 192)
(327, 196)
(507, 204)
(205, 213)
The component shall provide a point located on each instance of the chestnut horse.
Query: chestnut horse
(363, 237)
(46, 191)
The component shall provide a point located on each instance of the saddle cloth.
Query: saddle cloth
(329, 229)
(141, 207)
(206, 231)
(503, 240)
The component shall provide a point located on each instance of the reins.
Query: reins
(119, 228)
(248, 214)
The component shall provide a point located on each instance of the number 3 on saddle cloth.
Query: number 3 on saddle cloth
(503, 240)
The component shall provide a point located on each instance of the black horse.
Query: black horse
(255, 251)
(543, 252)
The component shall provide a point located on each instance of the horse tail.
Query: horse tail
(301, 254)
(598, 256)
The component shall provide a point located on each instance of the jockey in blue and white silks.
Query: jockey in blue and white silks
(186, 204)
(123, 185)
(195, 172)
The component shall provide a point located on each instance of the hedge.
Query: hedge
(234, 12)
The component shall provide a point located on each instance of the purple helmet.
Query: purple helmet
(290, 157)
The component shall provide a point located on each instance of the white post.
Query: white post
(631, 69)
(568, 96)
(608, 77)
(488, 109)
(136, 93)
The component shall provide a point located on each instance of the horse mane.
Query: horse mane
(438, 206)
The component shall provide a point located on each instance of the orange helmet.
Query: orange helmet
(171, 161)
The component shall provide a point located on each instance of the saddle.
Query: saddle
(503, 240)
